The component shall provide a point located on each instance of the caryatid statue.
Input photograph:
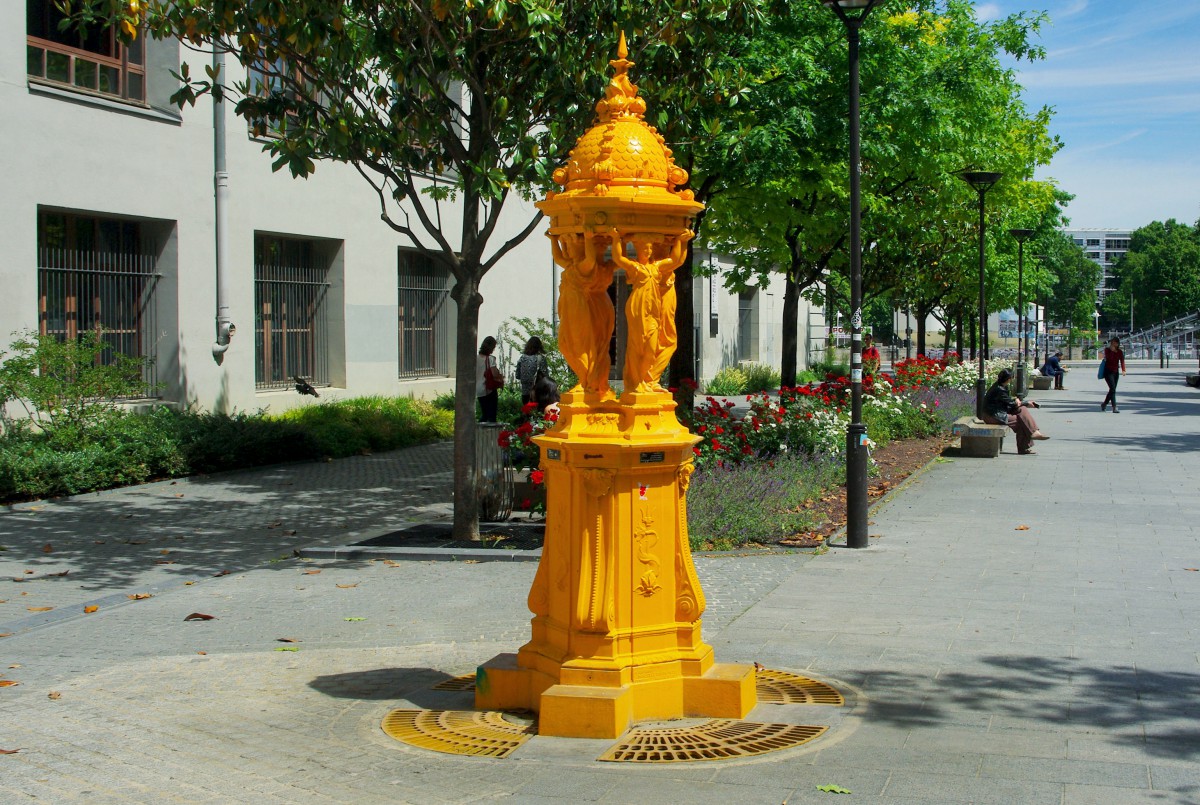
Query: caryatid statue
(585, 312)
(650, 309)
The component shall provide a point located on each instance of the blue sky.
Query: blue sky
(1123, 77)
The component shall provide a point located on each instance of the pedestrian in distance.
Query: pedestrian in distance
(530, 366)
(1114, 362)
(1001, 408)
(488, 381)
(870, 355)
(1055, 369)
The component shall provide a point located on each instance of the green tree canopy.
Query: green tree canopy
(1161, 255)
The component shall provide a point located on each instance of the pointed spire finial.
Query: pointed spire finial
(620, 97)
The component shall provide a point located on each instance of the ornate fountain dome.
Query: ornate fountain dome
(621, 154)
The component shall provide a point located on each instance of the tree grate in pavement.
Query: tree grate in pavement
(465, 682)
(718, 739)
(780, 687)
(458, 732)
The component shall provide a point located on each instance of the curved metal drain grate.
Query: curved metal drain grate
(719, 739)
(780, 687)
(466, 682)
(458, 732)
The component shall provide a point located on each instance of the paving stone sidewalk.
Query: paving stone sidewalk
(984, 662)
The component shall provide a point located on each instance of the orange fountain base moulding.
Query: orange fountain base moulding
(656, 692)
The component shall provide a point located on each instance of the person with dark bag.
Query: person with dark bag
(1001, 408)
(531, 366)
(488, 381)
(1114, 362)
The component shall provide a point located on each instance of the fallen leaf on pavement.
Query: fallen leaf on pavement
(1021, 528)
(139, 596)
(199, 616)
(88, 610)
(47, 548)
(1193, 569)
(9, 751)
(54, 694)
(275, 524)
(311, 572)
(355, 619)
(15, 665)
(222, 573)
(291, 532)
(179, 494)
(287, 648)
(6, 634)
(202, 652)
(8, 683)
(287, 640)
(39, 609)
(164, 551)
(347, 586)
(833, 789)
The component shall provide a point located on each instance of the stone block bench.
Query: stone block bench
(1041, 383)
(1193, 381)
(979, 439)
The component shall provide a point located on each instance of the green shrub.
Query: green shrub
(364, 424)
(729, 382)
(67, 384)
(823, 369)
(805, 376)
(759, 377)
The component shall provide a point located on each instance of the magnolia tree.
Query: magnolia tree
(470, 102)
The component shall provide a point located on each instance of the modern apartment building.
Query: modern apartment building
(118, 214)
(1104, 247)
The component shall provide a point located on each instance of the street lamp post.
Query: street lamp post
(1162, 327)
(856, 433)
(1071, 328)
(1021, 235)
(982, 181)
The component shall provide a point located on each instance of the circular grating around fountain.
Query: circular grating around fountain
(466, 682)
(458, 732)
(780, 687)
(719, 739)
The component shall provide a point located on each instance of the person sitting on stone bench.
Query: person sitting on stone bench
(1054, 368)
(1001, 408)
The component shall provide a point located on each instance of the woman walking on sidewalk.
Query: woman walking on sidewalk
(1114, 361)
(1001, 408)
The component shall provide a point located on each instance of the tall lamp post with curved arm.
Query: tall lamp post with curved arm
(981, 181)
(1021, 235)
(856, 433)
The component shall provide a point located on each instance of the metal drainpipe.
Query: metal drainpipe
(225, 327)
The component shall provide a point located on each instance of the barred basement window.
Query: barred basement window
(748, 325)
(99, 274)
(90, 59)
(291, 282)
(425, 321)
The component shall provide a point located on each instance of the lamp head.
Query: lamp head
(982, 181)
(1162, 291)
(849, 4)
(1021, 234)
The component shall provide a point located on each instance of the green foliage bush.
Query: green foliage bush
(122, 448)
(70, 383)
(759, 377)
(729, 382)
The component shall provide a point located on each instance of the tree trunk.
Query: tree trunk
(683, 362)
(466, 506)
(958, 331)
(922, 317)
(791, 331)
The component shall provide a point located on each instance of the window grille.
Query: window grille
(90, 59)
(291, 283)
(99, 274)
(424, 322)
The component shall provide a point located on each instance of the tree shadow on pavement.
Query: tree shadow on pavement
(1154, 709)
(229, 522)
(414, 685)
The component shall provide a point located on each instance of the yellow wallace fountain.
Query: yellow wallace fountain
(616, 602)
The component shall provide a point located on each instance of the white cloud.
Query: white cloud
(986, 12)
(1112, 75)
(1127, 193)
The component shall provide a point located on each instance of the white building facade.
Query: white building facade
(109, 220)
